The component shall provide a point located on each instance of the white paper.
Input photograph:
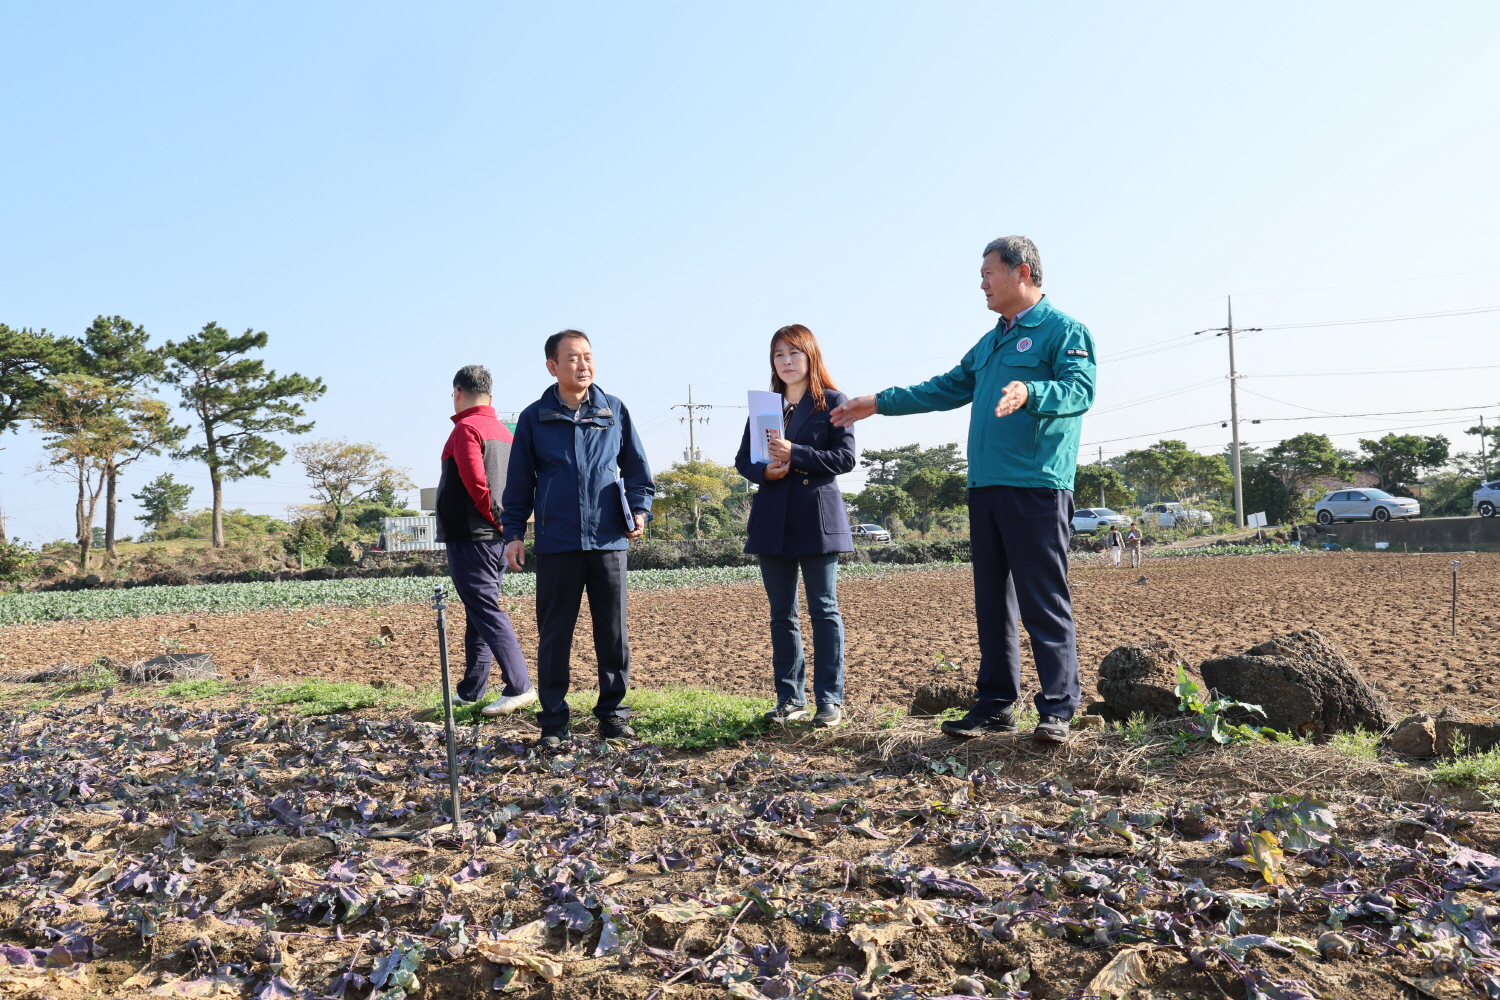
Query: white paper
(625, 505)
(765, 416)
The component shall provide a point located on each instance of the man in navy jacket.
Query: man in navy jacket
(571, 446)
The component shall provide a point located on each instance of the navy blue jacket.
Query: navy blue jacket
(802, 513)
(564, 468)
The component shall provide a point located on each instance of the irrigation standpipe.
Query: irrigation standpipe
(455, 809)
(1455, 597)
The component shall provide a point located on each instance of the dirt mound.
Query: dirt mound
(1304, 684)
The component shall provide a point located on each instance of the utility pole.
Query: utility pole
(1101, 475)
(1234, 408)
(692, 421)
(1484, 461)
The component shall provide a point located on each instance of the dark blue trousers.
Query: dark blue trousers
(477, 569)
(1020, 541)
(562, 578)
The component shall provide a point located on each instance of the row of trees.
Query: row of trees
(94, 400)
(1277, 480)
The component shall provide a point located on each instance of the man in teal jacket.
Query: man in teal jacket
(1030, 379)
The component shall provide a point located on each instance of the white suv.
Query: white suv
(1487, 499)
(1172, 515)
(1364, 505)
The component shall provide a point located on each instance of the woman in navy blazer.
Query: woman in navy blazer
(797, 520)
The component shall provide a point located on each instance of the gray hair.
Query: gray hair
(474, 380)
(1015, 251)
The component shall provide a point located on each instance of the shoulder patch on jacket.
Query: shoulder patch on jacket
(1077, 352)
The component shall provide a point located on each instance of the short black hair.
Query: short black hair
(473, 380)
(559, 337)
(1015, 251)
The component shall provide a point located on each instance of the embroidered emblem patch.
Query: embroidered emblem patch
(1077, 352)
(1023, 345)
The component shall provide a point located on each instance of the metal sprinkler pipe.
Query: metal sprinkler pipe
(1455, 597)
(455, 808)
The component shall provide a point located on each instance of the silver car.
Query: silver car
(1091, 519)
(870, 532)
(1487, 499)
(1364, 505)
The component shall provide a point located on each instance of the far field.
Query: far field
(1390, 612)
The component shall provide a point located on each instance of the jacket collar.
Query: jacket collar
(1034, 317)
(594, 406)
(1037, 314)
(473, 411)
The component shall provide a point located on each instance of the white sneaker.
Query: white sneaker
(505, 706)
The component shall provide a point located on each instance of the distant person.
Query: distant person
(1115, 544)
(468, 522)
(1035, 372)
(571, 447)
(1133, 544)
(798, 521)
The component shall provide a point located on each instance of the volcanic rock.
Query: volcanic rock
(939, 696)
(1304, 684)
(1415, 736)
(171, 667)
(1458, 731)
(1139, 679)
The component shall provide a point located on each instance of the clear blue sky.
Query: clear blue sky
(391, 191)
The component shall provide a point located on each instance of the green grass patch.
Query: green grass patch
(687, 718)
(1477, 770)
(1361, 743)
(315, 697)
(97, 679)
(195, 690)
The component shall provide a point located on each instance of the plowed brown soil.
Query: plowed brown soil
(1390, 612)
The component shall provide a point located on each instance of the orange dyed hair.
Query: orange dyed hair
(818, 379)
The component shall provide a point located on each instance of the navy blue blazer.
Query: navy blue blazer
(802, 514)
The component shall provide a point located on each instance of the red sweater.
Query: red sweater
(474, 461)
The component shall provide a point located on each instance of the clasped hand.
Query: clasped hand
(781, 458)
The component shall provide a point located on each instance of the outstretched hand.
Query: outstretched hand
(850, 410)
(1012, 398)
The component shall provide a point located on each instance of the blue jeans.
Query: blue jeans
(820, 575)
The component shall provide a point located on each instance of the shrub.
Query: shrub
(16, 558)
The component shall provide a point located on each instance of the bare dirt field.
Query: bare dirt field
(1390, 612)
(230, 849)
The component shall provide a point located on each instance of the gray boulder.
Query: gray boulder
(1470, 732)
(1415, 736)
(1139, 679)
(1304, 684)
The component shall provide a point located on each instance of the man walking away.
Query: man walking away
(468, 520)
(1030, 379)
(579, 463)
(1116, 544)
(1133, 543)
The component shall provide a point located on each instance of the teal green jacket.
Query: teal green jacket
(1053, 354)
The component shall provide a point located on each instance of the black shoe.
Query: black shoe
(974, 725)
(553, 737)
(615, 729)
(1052, 729)
(785, 713)
(828, 716)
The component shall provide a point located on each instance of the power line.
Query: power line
(1376, 371)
